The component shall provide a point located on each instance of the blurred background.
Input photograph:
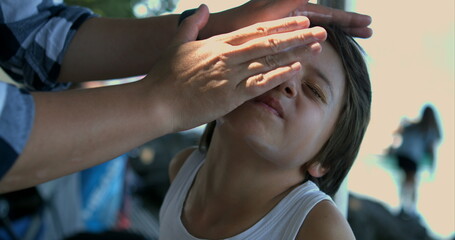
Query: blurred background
(411, 63)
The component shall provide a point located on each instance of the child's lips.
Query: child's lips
(272, 104)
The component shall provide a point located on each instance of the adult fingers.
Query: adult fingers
(190, 27)
(270, 62)
(319, 14)
(263, 82)
(359, 32)
(274, 44)
(265, 10)
(265, 28)
(282, 8)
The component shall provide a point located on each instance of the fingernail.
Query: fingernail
(368, 19)
(315, 48)
(296, 66)
(302, 20)
(319, 33)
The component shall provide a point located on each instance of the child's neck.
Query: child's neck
(234, 189)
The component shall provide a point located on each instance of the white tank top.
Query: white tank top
(282, 222)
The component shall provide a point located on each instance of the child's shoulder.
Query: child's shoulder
(178, 161)
(325, 222)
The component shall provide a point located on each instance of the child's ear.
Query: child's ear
(316, 170)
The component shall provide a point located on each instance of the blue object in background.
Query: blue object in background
(20, 227)
(102, 189)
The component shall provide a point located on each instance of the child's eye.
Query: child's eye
(315, 91)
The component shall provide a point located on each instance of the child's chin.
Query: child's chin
(264, 145)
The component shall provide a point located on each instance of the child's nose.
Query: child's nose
(290, 88)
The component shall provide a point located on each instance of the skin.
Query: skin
(207, 79)
(226, 198)
(102, 50)
(249, 13)
(82, 123)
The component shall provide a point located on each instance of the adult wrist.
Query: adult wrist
(156, 105)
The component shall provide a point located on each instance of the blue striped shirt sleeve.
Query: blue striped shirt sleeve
(17, 112)
(35, 36)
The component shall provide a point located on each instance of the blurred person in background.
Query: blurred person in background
(415, 147)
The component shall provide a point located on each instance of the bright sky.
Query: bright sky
(411, 62)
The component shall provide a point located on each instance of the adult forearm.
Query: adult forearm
(74, 130)
(194, 83)
(112, 48)
(105, 48)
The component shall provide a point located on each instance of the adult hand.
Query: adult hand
(199, 81)
(265, 10)
(352, 23)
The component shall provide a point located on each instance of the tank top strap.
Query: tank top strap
(189, 169)
(299, 206)
(285, 219)
(172, 206)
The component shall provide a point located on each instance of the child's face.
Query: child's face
(289, 124)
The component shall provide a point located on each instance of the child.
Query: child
(266, 170)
